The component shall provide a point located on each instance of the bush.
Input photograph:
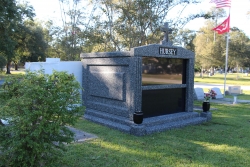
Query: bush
(38, 107)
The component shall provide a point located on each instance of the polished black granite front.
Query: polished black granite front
(163, 101)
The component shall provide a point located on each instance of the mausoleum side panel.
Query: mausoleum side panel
(106, 85)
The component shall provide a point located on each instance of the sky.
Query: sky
(50, 9)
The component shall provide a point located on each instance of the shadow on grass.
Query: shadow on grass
(224, 140)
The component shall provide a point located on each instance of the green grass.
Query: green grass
(238, 79)
(3, 75)
(231, 79)
(244, 96)
(224, 141)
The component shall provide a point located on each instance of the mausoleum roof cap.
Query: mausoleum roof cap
(105, 54)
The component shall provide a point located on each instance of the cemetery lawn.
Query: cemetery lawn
(232, 79)
(13, 74)
(237, 79)
(224, 141)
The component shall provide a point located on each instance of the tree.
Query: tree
(210, 47)
(8, 16)
(73, 18)
(120, 25)
(114, 25)
(205, 50)
(239, 49)
(33, 46)
(11, 16)
(186, 38)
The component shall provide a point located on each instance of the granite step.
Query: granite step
(108, 123)
(150, 125)
(170, 118)
(176, 124)
(107, 116)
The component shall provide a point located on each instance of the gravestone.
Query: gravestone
(234, 90)
(218, 92)
(199, 94)
(157, 79)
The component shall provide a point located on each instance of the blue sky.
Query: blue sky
(50, 9)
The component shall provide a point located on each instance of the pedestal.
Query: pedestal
(138, 130)
(207, 115)
(235, 100)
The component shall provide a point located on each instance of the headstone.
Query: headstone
(234, 90)
(157, 79)
(218, 92)
(199, 94)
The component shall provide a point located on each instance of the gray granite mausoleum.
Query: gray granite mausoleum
(156, 79)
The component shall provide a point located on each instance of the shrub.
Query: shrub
(38, 107)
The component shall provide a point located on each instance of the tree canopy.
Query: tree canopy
(210, 48)
(12, 17)
(111, 25)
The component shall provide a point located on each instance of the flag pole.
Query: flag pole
(226, 59)
(225, 77)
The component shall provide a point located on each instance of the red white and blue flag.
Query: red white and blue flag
(221, 3)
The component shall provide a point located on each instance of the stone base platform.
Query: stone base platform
(149, 125)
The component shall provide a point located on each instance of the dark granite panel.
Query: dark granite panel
(172, 86)
(163, 101)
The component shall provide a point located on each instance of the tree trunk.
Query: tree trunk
(16, 66)
(201, 75)
(8, 68)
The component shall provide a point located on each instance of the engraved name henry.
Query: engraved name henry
(167, 51)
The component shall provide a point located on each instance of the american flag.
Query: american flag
(221, 3)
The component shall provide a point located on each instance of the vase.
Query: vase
(213, 97)
(138, 117)
(206, 106)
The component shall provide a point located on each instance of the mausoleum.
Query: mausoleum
(156, 79)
